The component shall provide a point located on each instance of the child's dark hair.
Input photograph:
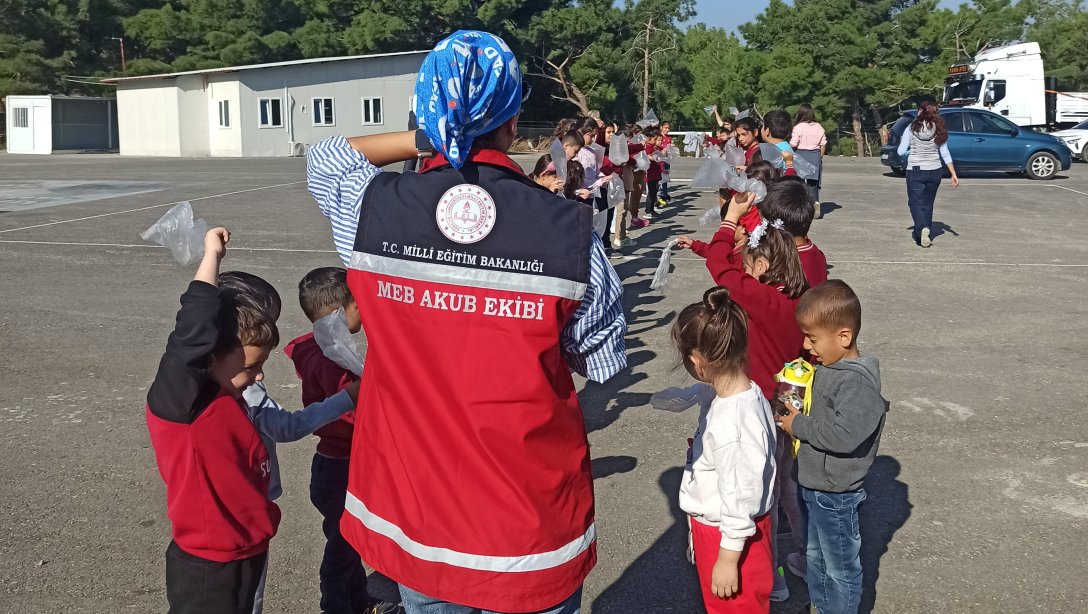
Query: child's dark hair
(248, 309)
(323, 291)
(588, 126)
(789, 201)
(576, 177)
(833, 305)
(652, 132)
(564, 126)
(750, 124)
(729, 119)
(573, 137)
(541, 165)
(778, 123)
(776, 245)
(717, 328)
(763, 171)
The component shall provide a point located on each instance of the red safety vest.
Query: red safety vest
(470, 476)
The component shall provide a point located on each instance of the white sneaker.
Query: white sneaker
(925, 242)
(621, 243)
(819, 211)
(780, 592)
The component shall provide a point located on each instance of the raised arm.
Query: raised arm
(182, 389)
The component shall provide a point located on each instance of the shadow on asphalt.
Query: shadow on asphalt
(603, 404)
(660, 579)
(885, 511)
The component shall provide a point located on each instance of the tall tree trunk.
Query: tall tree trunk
(859, 138)
(646, 68)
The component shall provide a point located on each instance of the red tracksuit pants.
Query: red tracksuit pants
(756, 568)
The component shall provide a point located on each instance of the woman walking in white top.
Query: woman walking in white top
(729, 478)
(809, 141)
(926, 139)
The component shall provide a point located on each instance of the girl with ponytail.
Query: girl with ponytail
(729, 477)
(766, 279)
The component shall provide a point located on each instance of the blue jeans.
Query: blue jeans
(342, 577)
(921, 192)
(418, 603)
(834, 550)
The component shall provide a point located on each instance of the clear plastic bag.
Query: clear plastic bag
(559, 158)
(617, 150)
(733, 155)
(598, 152)
(600, 222)
(616, 193)
(180, 233)
(672, 152)
(336, 342)
(803, 168)
(712, 174)
(642, 161)
(664, 265)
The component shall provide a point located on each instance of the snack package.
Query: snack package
(794, 390)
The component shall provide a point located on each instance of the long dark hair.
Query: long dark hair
(930, 113)
(576, 176)
(804, 115)
(778, 248)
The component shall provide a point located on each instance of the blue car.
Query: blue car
(983, 141)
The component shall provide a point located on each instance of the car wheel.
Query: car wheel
(1042, 165)
(1084, 153)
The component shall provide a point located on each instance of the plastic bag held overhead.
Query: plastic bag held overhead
(617, 150)
(180, 233)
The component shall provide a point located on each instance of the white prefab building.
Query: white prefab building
(265, 109)
(44, 124)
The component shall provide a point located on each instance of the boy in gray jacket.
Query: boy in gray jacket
(839, 440)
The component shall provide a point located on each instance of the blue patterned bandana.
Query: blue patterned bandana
(468, 85)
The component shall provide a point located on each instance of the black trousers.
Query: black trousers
(342, 576)
(199, 586)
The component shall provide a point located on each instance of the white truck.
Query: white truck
(1009, 80)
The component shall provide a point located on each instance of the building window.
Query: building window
(372, 111)
(22, 117)
(323, 115)
(271, 114)
(224, 114)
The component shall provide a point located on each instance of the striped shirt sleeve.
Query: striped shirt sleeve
(593, 340)
(337, 176)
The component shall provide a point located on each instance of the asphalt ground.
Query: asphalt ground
(978, 501)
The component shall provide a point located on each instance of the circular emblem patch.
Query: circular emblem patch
(466, 213)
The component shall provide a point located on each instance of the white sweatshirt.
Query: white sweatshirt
(729, 482)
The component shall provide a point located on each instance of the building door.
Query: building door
(20, 132)
(42, 128)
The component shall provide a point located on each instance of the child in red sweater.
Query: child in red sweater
(324, 292)
(788, 200)
(766, 279)
(209, 453)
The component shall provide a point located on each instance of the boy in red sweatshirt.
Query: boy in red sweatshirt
(322, 293)
(788, 200)
(209, 453)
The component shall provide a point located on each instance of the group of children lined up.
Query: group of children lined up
(772, 305)
(588, 167)
(221, 480)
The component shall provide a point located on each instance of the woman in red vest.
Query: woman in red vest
(470, 479)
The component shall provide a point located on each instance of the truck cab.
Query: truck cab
(1007, 80)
